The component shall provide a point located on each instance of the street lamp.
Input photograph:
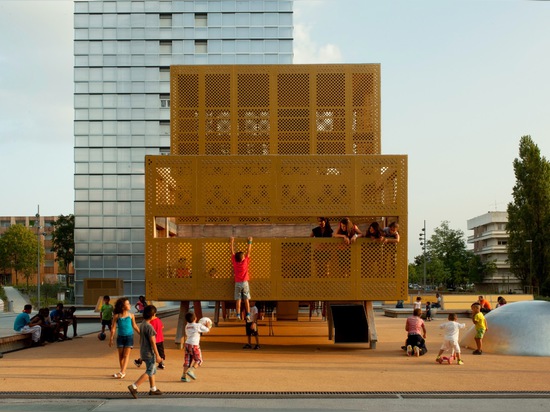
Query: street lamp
(530, 241)
(422, 238)
(38, 254)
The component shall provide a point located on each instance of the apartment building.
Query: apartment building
(490, 241)
(43, 228)
(123, 52)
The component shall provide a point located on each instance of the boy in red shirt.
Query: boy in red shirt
(240, 262)
(158, 326)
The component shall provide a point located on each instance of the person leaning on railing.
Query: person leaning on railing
(322, 253)
(348, 231)
(323, 230)
(391, 234)
(374, 232)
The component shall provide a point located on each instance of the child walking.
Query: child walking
(481, 327)
(193, 355)
(124, 325)
(428, 311)
(252, 328)
(450, 339)
(149, 353)
(106, 314)
(140, 304)
(158, 326)
(240, 262)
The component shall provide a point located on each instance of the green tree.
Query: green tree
(4, 262)
(19, 251)
(448, 261)
(63, 241)
(448, 245)
(479, 270)
(529, 217)
(414, 274)
(436, 273)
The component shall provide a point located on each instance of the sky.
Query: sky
(462, 81)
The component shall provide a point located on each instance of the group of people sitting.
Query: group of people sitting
(486, 306)
(47, 326)
(348, 231)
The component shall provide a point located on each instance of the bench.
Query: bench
(444, 313)
(14, 342)
(398, 312)
(406, 312)
(464, 302)
(428, 297)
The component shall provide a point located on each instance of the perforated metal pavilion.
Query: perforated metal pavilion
(262, 151)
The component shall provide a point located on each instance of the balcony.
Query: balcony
(280, 269)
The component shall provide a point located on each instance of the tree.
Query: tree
(19, 251)
(449, 262)
(436, 273)
(448, 245)
(529, 217)
(63, 241)
(479, 270)
(414, 276)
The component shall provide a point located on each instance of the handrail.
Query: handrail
(280, 269)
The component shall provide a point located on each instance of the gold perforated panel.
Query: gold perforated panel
(275, 109)
(263, 187)
(264, 150)
(261, 190)
(280, 269)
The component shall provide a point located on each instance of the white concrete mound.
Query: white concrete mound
(520, 328)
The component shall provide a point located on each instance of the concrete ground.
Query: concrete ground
(297, 358)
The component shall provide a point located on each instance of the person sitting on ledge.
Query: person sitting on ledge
(22, 324)
(64, 318)
(49, 329)
(71, 319)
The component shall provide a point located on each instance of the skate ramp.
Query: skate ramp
(520, 328)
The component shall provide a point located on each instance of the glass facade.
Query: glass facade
(123, 50)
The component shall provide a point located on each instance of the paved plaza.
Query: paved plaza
(298, 357)
(296, 367)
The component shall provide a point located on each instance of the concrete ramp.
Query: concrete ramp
(350, 323)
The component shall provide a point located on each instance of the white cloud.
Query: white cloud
(307, 20)
(307, 51)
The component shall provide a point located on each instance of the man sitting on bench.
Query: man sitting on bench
(23, 324)
(64, 318)
(71, 319)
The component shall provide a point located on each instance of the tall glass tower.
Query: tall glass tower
(123, 52)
